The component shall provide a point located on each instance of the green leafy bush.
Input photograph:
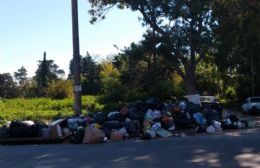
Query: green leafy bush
(59, 89)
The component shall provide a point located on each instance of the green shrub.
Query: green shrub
(112, 87)
(113, 90)
(59, 89)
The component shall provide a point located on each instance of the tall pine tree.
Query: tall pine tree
(47, 71)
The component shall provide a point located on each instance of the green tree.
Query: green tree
(47, 71)
(8, 88)
(112, 88)
(21, 76)
(238, 43)
(29, 89)
(132, 65)
(208, 79)
(90, 80)
(185, 28)
(140, 73)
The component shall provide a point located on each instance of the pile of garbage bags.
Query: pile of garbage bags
(143, 119)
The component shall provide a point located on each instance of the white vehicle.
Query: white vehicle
(252, 105)
(208, 99)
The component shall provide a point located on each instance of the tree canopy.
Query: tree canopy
(184, 29)
(238, 43)
(47, 72)
(21, 75)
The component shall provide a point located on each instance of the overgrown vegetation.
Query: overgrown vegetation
(43, 109)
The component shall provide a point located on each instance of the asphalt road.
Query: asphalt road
(240, 148)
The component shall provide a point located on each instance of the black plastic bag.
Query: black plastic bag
(100, 118)
(19, 129)
(113, 124)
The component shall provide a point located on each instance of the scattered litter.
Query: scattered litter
(148, 119)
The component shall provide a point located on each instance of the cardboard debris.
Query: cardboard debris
(116, 136)
(93, 135)
(56, 130)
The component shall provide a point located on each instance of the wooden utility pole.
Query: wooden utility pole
(76, 58)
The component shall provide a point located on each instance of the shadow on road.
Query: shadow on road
(239, 148)
(199, 151)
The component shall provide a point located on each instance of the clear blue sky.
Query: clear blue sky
(30, 27)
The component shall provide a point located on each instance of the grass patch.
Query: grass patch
(43, 109)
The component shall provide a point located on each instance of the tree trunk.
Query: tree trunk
(189, 79)
(190, 68)
(189, 84)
